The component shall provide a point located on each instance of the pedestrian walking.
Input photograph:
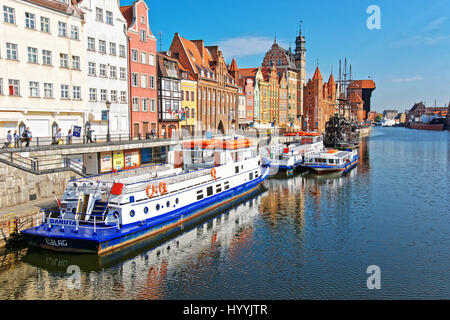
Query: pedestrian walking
(8, 140)
(16, 139)
(69, 136)
(58, 136)
(27, 136)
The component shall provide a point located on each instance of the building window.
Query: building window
(32, 55)
(76, 62)
(113, 95)
(113, 72)
(103, 95)
(123, 74)
(62, 29)
(48, 90)
(11, 51)
(76, 92)
(193, 96)
(99, 14)
(109, 17)
(135, 104)
(143, 35)
(8, 15)
(74, 32)
(123, 97)
(144, 104)
(91, 44)
(143, 81)
(34, 89)
(45, 24)
(102, 68)
(151, 82)
(152, 105)
(151, 59)
(143, 20)
(134, 55)
(14, 87)
(134, 80)
(30, 20)
(64, 60)
(47, 57)
(112, 49)
(92, 94)
(143, 57)
(1, 86)
(91, 69)
(122, 51)
(64, 91)
(101, 46)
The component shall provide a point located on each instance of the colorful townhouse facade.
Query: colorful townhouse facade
(283, 103)
(169, 95)
(217, 92)
(142, 70)
(42, 62)
(188, 121)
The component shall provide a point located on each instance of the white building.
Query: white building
(106, 66)
(42, 59)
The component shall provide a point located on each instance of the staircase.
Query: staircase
(97, 212)
(39, 167)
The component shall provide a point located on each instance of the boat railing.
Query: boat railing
(43, 219)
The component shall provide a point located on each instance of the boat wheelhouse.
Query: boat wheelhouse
(332, 160)
(103, 213)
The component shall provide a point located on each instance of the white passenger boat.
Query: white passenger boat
(106, 212)
(289, 156)
(332, 160)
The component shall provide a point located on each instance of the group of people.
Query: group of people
(18, 139)
(58, 139)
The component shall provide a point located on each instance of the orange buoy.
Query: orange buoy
(214, 173)
(162, 188)
(152, 187)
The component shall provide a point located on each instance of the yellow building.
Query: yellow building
(264, 101)
(188, 123)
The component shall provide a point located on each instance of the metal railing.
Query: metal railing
(78, 224)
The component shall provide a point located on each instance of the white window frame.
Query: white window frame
(30, 20)
(76, 92)
(64, 91)
(34, 89)
(62, 29)
(45, 24)
(48, 90)
(32, 54)
(9, 15)
(12, 51)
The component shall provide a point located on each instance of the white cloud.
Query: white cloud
(245, 46)
(410, 79)
(435, 24)
(418, 40)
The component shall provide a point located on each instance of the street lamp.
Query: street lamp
(108, 106)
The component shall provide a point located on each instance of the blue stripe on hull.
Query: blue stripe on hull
(108, 239)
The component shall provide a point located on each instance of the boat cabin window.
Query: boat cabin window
(209, 191)
(218, 188)
(331, 161)
(226, 185)
(322, 160)
(256, 174)
(236, 169)
(199, 194)
(250, 176)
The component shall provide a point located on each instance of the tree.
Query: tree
(378, 118)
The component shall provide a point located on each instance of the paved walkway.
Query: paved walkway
(31, 207)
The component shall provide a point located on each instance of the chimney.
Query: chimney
(200, 45)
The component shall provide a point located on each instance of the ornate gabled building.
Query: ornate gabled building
(319, 103)
(251, 87)
(270, 114)
(293, 66)
(217, 93)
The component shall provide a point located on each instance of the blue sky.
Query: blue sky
(408, 58)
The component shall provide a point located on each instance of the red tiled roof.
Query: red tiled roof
(331, 80)
(362, 84)
(233, 66)
(127, 12)
(248, 72)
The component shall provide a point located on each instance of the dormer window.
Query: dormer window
(202, 73)
(143, 20)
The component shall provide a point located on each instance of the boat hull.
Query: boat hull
(60, 241)
(427, 126)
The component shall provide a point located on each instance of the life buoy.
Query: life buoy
(162, 188)
(214, 173)
(148, 191)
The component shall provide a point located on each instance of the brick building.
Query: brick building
(319, 102)
(142, 69)
(217, 93)
(364, 89)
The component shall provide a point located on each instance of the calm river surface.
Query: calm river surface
(302, 238)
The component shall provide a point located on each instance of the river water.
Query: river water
(303, 237)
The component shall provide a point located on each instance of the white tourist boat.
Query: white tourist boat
(103, 213)
(332, 160)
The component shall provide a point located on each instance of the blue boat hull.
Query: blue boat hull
(105, 241)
